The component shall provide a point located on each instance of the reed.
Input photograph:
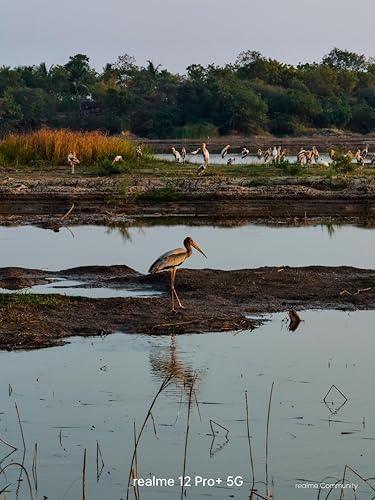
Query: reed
(51, 147)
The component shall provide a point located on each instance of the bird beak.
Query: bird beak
(197, 247)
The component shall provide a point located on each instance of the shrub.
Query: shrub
(106, 167)
(289, 168)
(342, 163)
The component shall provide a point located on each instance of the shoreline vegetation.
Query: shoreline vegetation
(37, 186)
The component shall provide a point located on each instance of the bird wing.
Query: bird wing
(169, 259)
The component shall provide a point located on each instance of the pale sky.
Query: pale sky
(176, 33)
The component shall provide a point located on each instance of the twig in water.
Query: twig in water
(34, 468)
(222, 427)
(84, 476)
(165, 384)
(22, 467)
(196, 402)
(348, 467)
(249, 441)
(153, 425)
(333, 386)
(267, 433)
(135, 469)
(68, 212)
(7, 444)
(187, 437)
(20, 425)
(99, 461)
(24, 450)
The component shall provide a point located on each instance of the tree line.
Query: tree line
(253, 95)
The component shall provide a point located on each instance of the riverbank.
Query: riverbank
(215, 300)
(56, 198)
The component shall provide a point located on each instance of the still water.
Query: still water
(216, 159)
(91, 391)
(226, 247)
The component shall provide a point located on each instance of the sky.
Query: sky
(176, 33)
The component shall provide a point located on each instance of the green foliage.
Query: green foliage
(342, 164)
(28, 299)
(107, 167)
(160, 195)
(195, 131)
(289, 168)
(255, 94)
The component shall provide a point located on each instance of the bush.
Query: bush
(106, 167)
(342, 164)
(289, 168)
(52, 147)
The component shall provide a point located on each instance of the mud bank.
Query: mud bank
(215, 300)
(44, 200)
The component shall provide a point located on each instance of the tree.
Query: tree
(344, 59)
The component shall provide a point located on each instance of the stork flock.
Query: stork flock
(275, 155)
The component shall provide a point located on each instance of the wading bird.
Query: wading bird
(117, 159)
(171, 260)
(360, 160)
(245, 152)
(275, 154)
(315, 154)
(176, 154)
(195, 152)
(224, 151)
(139, 153)
(206, 159)
(183, 154)
(364, 152)
(230, 161)
(73, 161)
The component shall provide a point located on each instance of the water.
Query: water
(216, 159)
(227, 248)
(72, 288)
(91, 390)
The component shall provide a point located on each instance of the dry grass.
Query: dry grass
(52, 147)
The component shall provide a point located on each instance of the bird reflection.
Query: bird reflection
(166, 361)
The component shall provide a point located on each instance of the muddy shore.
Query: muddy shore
(215, 300)
(33, 199)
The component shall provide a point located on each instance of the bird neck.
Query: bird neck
(188, 249)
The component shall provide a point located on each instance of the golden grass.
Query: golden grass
(51, 147)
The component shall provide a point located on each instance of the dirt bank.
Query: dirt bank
(215, 301)
(31, 199)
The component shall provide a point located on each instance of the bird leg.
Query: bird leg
(172, 290)
(174, 271)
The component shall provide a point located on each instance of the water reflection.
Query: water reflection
(241, 246)
(91, 391)
(167, 361)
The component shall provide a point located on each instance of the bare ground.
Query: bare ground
(215, 300)
(44, 199)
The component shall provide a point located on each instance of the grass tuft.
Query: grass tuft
(51, 147)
